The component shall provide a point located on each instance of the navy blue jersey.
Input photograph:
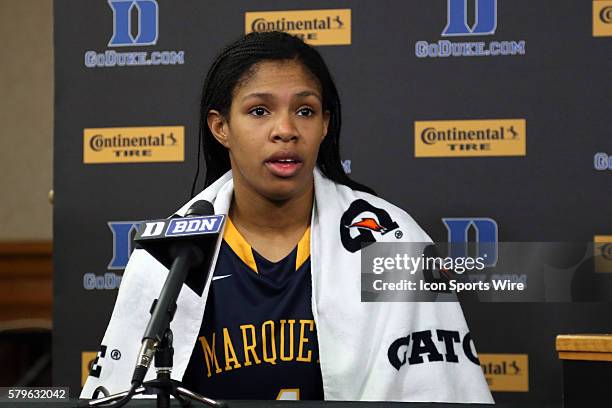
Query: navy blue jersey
(258, 338)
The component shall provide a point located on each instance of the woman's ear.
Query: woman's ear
(218, 126)
(326, 116)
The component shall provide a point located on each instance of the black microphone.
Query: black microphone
(183, 245)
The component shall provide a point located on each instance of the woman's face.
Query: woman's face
(274, 129)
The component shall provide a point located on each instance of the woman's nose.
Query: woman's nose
(284, 128)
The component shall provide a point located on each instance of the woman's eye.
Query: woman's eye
(259, 111)
(306, 112)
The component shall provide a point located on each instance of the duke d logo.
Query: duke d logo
(147, 11)
(486, 18)
(486, 237)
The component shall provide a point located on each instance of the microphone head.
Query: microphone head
(200, 208)
(199, 227)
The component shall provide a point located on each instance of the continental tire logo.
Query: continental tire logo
(602, 18)
(603, 253)
(506, 372)
(316, 27)
(134, 144)
(470, 138)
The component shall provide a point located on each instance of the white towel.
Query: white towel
(368, 351)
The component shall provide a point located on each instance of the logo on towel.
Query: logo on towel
(96, 368)
(361, 221)
(429, 346)
(115, 354)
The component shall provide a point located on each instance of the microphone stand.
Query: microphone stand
(163, 386)
(162, 313)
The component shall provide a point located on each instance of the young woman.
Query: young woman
(281, 315)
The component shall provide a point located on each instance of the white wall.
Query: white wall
(26, 119)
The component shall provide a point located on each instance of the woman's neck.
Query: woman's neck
(252, 212)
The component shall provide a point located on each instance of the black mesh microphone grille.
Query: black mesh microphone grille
(200, 208)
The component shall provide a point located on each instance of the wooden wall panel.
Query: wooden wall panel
(26, 280)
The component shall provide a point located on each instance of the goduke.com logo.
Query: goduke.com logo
(460, 22)
(603, 161)
(146, 14)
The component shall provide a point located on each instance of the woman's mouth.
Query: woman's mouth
(284, 166)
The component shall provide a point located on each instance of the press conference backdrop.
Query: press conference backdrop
(496, 112)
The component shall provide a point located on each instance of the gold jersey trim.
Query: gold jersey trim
(241, 247)
(303, 249)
